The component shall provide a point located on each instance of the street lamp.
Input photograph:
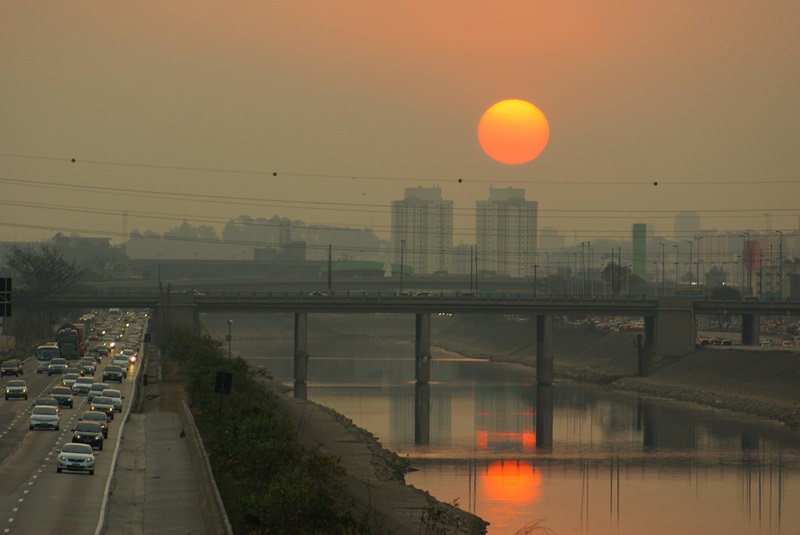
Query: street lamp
(677, 257)
(402, 252)
(691, 250)
(663, 270)
(229, 337)
(747, 262)
(780, 264)
(698, 238)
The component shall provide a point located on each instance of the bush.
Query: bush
(269, 482)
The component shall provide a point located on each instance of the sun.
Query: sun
(513, 131)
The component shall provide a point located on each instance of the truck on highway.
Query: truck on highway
(69, 338)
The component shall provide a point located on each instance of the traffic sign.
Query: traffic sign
(5, 297)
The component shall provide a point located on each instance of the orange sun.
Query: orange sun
(513, 131)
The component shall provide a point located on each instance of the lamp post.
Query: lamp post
(677, 258)
(747, 262)
(698, 238)
(780, 265)
(402, 252)
(663, 270)
(229, 338)
(691, 250)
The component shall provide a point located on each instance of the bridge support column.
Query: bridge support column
(750, 330)
(675, 334)
(300, 354)
(646, 347)
(422, 347)
(544, 417)
(544, 350)
(422, 414)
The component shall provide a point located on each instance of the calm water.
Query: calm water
(617, 463)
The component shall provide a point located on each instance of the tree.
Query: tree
(44, 272)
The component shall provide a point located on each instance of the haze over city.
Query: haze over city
(326, 113)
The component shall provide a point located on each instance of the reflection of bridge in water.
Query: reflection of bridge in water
(669, 324)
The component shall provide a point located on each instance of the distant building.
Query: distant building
(422, 230)
(639, 267)
(506, 233)
(687, 225)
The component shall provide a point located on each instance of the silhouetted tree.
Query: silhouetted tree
(44, 272)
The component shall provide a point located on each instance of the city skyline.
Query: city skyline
(119, 117)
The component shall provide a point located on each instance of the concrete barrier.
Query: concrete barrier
(214, 514)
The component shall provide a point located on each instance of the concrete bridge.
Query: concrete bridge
(669, 322)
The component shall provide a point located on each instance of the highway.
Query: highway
(33, 497)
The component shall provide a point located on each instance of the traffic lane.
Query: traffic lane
(12, 411)
(35, 498)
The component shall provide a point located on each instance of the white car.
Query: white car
(116, 396)
(122, 361)
(82, 385)
(68, 379)
(44, 417)
(76, 456)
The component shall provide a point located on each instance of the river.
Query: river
(612, 462)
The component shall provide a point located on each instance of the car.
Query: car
(98, 351)
(57, 365)
(766, 343)
(96, 390)
(11, 367)
(82, 385)
(73, 369)
(130, 354)
(88, 365)
(787, 343)
(98, 417)
(104, 405)
(46, 402)
(68, 379)
(63, 395)
(113, 373)
(16, 388)
(116, 396)
(122, 361)
(73, 456)
(44, 417)
(89, 433)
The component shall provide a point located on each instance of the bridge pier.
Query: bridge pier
(300, 354)
(422, 414)
(422, 347)
(544, 349)
(675, 335)
(751, 330)
(646, 347)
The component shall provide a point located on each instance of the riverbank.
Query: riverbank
(761, 381)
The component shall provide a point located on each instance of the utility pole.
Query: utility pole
(402, 251)
(330, 264)
(780, 266)
(663, 270)
(677, 261)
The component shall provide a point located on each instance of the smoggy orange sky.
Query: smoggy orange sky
(184, 110)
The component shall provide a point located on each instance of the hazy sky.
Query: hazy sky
(184, 110)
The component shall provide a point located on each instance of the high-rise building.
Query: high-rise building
(422, 230)
(639, 267)
(506, 227)
(687, 225)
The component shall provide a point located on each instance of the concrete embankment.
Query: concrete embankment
(760, 381)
